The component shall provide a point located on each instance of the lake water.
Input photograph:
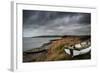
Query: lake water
(30, 43)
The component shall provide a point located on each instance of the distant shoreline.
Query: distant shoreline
(61, 36)
(54, 49)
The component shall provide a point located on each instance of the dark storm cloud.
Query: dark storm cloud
(37, 23)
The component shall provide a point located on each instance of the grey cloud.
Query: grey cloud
(55, 23)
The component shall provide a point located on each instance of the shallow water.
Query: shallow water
(30, 43)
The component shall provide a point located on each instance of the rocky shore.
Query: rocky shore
(55, 49)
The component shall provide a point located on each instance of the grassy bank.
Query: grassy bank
(55, 50)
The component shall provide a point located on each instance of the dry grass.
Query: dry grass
(55, 51)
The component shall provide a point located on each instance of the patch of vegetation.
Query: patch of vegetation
(55, 50)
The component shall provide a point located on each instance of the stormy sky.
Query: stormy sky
(39, 23)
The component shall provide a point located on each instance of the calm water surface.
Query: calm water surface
(30, 43)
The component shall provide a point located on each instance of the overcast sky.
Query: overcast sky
(37, 23)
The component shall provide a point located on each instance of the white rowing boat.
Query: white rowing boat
(74, 52)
